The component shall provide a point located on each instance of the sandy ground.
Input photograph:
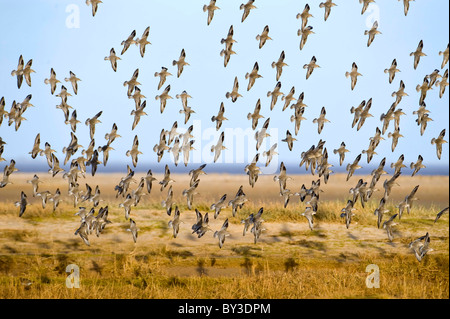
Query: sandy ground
(44, 232)
(282, 241)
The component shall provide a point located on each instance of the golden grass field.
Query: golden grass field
(289, 260)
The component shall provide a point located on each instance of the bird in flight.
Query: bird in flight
(94, 4)
(353, 74)
(129, 41)
(246, 7)
(305, 15)
(263, 37)
(372, 32)
(234, 94)
(210, 8)
(142, 42)
(180, 63)
(52, 81)
(113, 58)
(418, 53)
(366, 4)
(328, 4)
(392, 70)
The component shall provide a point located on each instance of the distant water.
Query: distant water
(292, 168)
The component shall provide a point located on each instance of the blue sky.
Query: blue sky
(38, 31)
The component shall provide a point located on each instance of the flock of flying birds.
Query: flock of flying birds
(315, 158)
